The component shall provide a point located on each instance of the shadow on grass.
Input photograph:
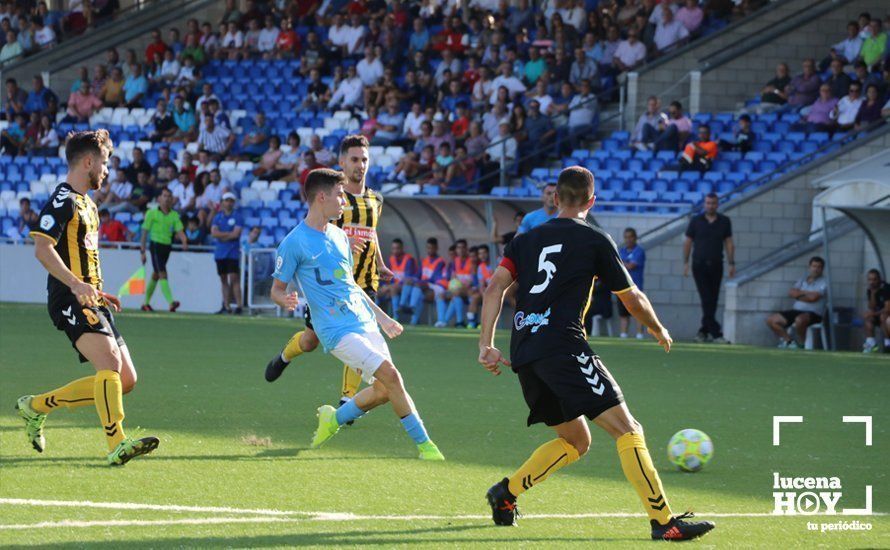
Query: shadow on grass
(277, 454)
(388, 538)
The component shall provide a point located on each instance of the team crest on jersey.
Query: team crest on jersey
(47, 222)
(532, 320)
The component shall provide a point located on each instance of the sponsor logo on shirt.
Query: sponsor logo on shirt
(362, 232)
(532, 320)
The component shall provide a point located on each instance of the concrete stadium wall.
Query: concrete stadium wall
(193, 278)
(742, 78)
(774, 217)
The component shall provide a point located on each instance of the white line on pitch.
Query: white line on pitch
(141, 522)
(286, 515)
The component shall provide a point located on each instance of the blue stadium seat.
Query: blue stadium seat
(500, 191)
(693, 196)
(725, 187)
(269, 222)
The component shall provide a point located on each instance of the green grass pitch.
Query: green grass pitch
(201, 390)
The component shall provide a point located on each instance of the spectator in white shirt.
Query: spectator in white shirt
(540, 95)
(170, 67)
(348, 93)
(583, 109)
(413, 122)
(337, 33)
(268, 36)
(506, 79)
(232, 42)
(369, 69)
(848, 107)
(658, 13)
(630, 53)
(355, 35)
(121, 189)
(449, 63)
(504, 147)
(583, 68)
(847, 50)
(670, 32)
(183, 193)
(44, 35)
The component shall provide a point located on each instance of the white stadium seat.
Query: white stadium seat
(278, 185)
(259, 185)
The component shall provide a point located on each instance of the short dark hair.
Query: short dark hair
(876, 272)
(677, 104)
(460, 241)
(165, 188)
(89, 142)
(631, 230)
(483, 247)
(575, 186)
(321, 180)
(712, 195)
(817, 259)
(355, 140)
(398, 241)
(433, 241)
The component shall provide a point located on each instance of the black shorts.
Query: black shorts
(563, 387)
(791, 314)
(160, 253)
(307, 315)
(227, 265)
(76, 320)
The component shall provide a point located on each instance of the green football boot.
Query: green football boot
(34, 422)
(130, 448)
(429, 451)
(327, 426)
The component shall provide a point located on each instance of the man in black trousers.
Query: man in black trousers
(706, 236)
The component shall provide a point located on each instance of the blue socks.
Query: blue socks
(349, 411)
(414, 426)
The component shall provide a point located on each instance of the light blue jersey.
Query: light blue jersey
(535, 218)
(322, 263)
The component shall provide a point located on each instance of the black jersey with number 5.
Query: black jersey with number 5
(555, 265)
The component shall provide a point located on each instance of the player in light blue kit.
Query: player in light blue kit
(317, 255)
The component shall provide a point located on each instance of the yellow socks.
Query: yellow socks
(292, 349)
(351, 381)
(639, 470)
(74, 394)
(546, 459)
(110, 406)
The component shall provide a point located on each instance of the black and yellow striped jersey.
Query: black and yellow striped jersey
(71, 221)
(360, 216)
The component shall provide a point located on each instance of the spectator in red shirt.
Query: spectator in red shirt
(156, 46)
(699, 154)
(111, 230)
(287, 45)
(460, 128)
(450, 37)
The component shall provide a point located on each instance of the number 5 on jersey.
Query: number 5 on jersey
(547, 267)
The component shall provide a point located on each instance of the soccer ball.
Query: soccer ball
(690, 449)
(454, 285)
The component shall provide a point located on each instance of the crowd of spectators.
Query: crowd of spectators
(28, 26)
(466, 89)
(849, 89)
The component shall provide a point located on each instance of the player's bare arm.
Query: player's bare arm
(687, 250)
(491, 357)
(639, 306)
(86, 294)
(142, 244)
(284, 299)
(183, 240)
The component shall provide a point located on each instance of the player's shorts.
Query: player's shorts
(563, 387)
(160, 253)
(76, 320)
(227, 265)
(364, 353)
(307, 315)
(791, 314)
